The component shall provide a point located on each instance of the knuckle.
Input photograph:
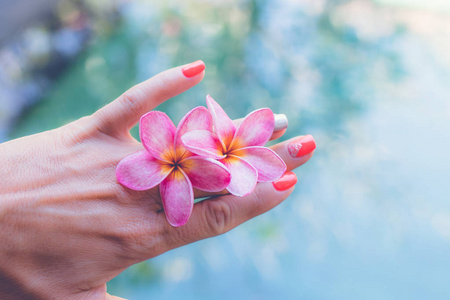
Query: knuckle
(218, 217)
(135, 241)
(257, 196)
(261, 202)
(132, 101)
(76, 132)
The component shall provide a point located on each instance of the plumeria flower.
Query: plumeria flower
(239, 149)
(165, 161)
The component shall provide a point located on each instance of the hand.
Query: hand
(67, 225)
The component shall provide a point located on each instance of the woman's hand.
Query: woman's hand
(67, 226)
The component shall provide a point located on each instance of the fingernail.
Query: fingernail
(281, 122)
(193, 69)
(288, 180)
(302, 146)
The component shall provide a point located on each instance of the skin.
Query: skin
(67, 226)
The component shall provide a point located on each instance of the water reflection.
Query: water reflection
(370, 217)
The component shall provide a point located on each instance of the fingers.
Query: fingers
(294, 152)
(281, 123)
(222, 213)
(219, 215)
(277, 134)
(123, 113)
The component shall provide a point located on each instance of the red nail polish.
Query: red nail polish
(302, 146)
(193, 69)
(288, 180)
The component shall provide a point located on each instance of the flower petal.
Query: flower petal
(243, 175)
(140, 171)
(203, 143)
(255, 130)
(223, 125)
(177, 197)
(269, 165)
(157, 134)
(206, 174)
(198, 118)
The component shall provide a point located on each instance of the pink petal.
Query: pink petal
(177, 197)
(269, 165)
(203, 143)
(157, 134)
(255, 130)
(206, 174)
(198, 118)
(243, 175)
(140, 171)
(223, 125)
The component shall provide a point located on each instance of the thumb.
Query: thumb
(119, 116)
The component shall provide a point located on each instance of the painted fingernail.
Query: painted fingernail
(193, 69)
(288, 180)
(302, 146)
(281, 122)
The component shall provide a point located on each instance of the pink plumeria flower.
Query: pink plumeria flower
(167, 162)
(239, 149)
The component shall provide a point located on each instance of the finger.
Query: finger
(222, 213)
(281, 123)
(294, 152)
(122, 114)
(219, 215)
(277, 134)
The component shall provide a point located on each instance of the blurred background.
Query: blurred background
(370, 79)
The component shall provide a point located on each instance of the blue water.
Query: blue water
(370, 216)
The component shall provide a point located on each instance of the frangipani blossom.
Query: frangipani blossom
(167, 163)
(239, 149)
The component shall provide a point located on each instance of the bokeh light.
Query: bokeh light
(370, 216)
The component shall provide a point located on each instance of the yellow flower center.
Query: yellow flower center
(174, 160)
